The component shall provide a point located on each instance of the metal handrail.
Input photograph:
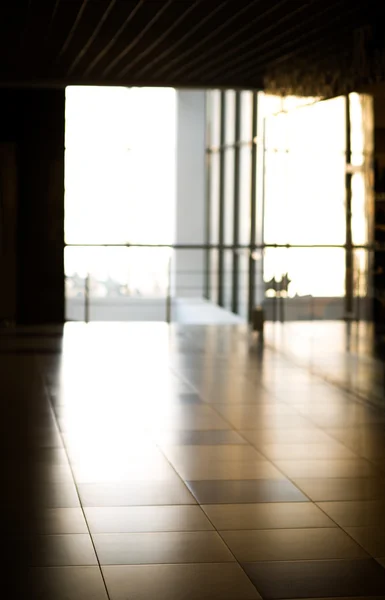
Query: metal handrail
(369, 247)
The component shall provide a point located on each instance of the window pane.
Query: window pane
(244, 194)
(229, 196)
(214, 117)
(305, 175)
(246, 116)
(214, 198)
(230, 117)
(112, 136)
(311, 271)
(214, 224)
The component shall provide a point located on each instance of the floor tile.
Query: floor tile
(360, 437)
(356, 514)
(57, 495)
(291, 544)
(317, 579)
(50, 456)
(161, 548)
(276, 515)
(135, 494)
(327, 468)
(222, 469)
(372, 539)
(187, 399)
(191, 454)
(332, 450)
(300, 435)
(179, 582)
(63, 550)
(190, 422)
(69, 583)
(225, 437)
(254, 416)
(234, 492)
(53, 473)
(330, 489)
(272, 422)
(59, 521)
(146, 518)
(139, 469)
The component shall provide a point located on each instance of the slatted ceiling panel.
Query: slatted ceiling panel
(198, 43)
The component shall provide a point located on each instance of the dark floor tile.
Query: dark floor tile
(370, 538)
(331, 489)
(184, 455)
(274, 515)
(68, 583)
(187, 399)
(238, 492)
(291, 544)
(140, 519)
(359, 513)
(317, 579)
(63, 550)
(135, 494)
(161, 548)
(179, 582)
(209, 437)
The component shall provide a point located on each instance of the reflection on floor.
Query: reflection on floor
(184, 463)
(342, 353)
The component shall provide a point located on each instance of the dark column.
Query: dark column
(34, 121)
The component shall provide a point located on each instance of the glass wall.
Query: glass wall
(230, 150)
(120, 176)
(294, 199)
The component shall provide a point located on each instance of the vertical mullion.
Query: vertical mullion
(348, 214)
(208, 199)
(253, 207)
(221, 199)
(235, 278)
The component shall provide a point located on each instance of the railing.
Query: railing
(180, 271)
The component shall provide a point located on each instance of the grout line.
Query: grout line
(295, 485)
(47, 392)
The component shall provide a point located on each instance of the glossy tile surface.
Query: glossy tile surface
(158, 548)
(230, 492)
(63, 550)
(180, 582)
(292, 544)
(183, 463)
(364, 513)
(140, 519)
(64, 583)
(275, 515)
(317, 579)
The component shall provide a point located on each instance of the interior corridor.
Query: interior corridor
(185, 462)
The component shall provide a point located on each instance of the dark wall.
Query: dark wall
(34, 121)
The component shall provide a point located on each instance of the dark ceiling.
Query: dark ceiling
(195, 43)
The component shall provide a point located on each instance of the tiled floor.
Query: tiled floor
(145, 462)
(354, 359)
